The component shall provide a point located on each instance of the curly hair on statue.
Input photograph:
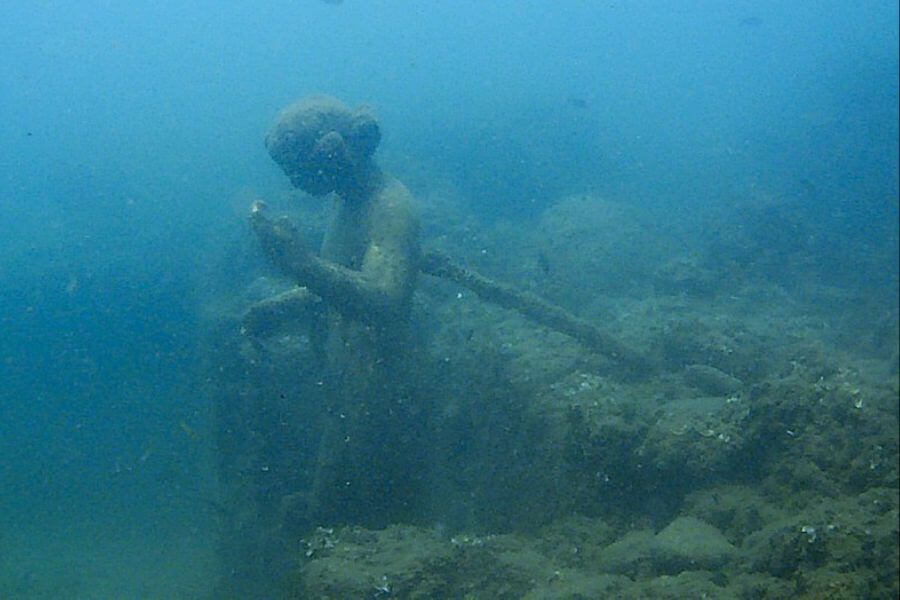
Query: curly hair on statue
(322, 145)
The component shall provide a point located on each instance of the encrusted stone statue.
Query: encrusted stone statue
(355, 294)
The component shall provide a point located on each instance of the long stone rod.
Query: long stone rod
(538, 310)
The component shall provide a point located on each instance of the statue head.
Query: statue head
(322, 145)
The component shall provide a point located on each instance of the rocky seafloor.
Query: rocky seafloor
(755, 457)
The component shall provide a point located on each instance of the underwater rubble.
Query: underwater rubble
(756, 459)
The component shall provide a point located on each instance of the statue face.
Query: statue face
(323, 168)
(321, 145)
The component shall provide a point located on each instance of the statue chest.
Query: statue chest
(347, 238)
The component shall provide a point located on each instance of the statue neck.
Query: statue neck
(360, 187)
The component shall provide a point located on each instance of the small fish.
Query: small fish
(72, 285)
(543, 262)
(190, 431)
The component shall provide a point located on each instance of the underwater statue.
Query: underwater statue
(355, 294)
(367, 266)
(355, 297)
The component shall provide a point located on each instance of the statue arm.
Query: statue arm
(382, 289)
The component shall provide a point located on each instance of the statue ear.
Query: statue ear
(364, 133)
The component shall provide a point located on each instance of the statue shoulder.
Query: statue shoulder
(394, 201)
(393, 191)
(394, 212)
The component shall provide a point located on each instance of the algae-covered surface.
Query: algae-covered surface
(536, 299)
(754, 457)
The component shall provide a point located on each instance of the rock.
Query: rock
(690, 584)
(711, 380)
(412, 562)
(630, 555)
(689, 544)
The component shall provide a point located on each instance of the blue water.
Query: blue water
(131, 139)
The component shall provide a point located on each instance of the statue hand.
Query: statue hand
(280, 240)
